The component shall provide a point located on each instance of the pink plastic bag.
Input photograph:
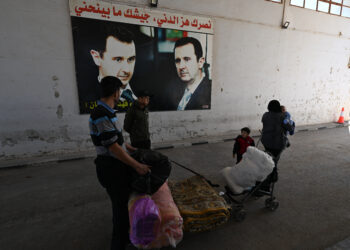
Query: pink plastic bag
(144, 219)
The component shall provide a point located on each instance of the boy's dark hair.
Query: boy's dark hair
(198, 51)
(246, 129)
(109, 85)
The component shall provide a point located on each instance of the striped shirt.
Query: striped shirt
(105, 129)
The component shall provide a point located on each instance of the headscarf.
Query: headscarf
(274, 106)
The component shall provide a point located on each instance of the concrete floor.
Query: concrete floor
(61, 206)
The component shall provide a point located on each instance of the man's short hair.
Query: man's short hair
(111, 29)
(246, 129)
(109, 85)
(196, 45)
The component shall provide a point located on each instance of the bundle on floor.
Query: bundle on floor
(255, 166)
(170, 232)
(161, 168)
(144, 219)
(200, 205)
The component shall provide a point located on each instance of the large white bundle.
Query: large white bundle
(256, 165)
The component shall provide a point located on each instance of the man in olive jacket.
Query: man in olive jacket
(136, 122)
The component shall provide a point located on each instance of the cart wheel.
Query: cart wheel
(268, 202)
(274, 205)
(271, 204)
(240, 215)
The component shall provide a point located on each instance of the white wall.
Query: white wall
(304, 66)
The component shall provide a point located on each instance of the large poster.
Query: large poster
(169, 55)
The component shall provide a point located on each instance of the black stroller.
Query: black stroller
(263, 188)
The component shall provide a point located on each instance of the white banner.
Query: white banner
(141, 16)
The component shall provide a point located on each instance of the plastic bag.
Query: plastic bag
(171, 221)
(144, 219)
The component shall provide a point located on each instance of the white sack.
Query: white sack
(256, 165)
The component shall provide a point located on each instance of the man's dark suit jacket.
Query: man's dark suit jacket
(201, 98)
(169, 99)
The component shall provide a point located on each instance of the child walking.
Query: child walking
(243, 141)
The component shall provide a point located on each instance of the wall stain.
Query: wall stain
(33, 135)
(59, 111)
(51, 140)
(64, 133)
(55, 79)
(8, 142)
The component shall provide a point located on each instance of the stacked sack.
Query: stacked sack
(155, 220)
(255, 166)
(201, 207)
(170, 232)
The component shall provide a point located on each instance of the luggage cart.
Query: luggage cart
(237, 201)
(238, 212)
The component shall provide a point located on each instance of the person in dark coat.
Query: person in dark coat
(273, 132)
(274, 136)
(136, 122)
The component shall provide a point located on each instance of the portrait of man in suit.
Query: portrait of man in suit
(143, 58)
(189, 61)
(115, 55)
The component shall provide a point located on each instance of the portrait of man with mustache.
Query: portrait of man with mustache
(189, 63)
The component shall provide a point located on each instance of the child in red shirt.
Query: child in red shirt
(243, 141)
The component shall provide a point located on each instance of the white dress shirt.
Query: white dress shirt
(188, 94)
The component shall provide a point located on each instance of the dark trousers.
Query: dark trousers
(115, 177)
(273, 177)
(142, 144)
(239, 158)
(276, 154)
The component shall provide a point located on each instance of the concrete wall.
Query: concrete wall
(304, 66)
